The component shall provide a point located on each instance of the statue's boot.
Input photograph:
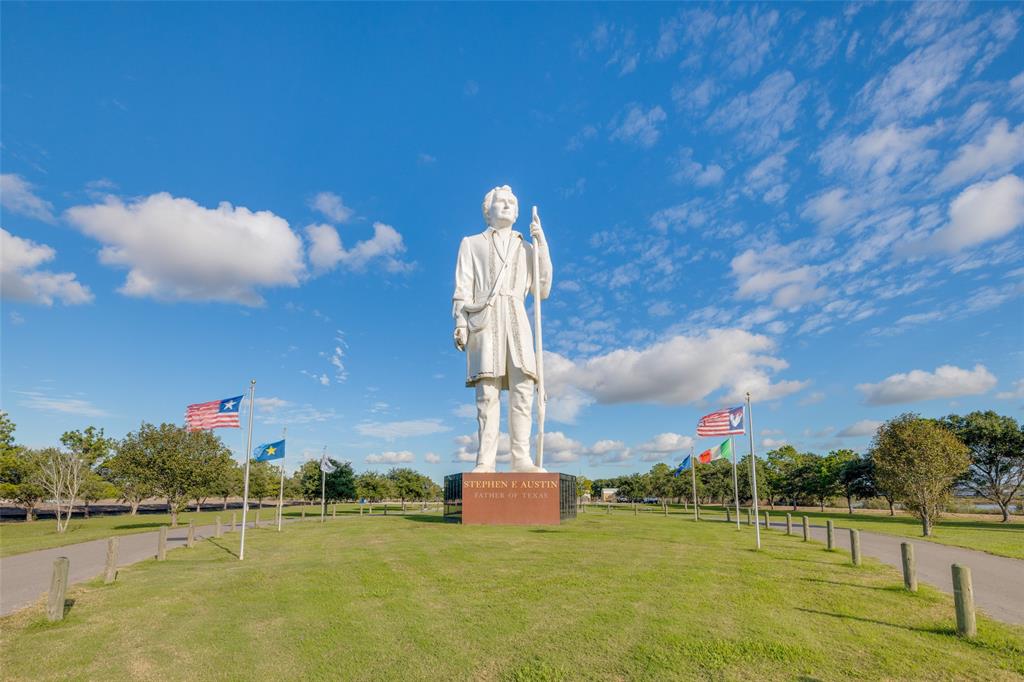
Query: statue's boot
(482, 469)
(526, 466)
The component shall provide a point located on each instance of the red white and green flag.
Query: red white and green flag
(723, 450)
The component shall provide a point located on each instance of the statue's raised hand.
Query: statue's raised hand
(536, 231)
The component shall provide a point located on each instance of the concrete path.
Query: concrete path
(998, 581)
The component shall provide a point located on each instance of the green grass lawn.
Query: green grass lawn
(1004, 539)
(604, 597)
(19, 537)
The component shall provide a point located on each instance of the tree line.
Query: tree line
(182, 467)
(915, 462)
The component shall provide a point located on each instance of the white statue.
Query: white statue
(494, 273)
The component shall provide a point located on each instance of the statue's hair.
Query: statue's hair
(489, 198)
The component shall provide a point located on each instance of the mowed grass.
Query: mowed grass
(604, 597)
(960, 530)
(18, 537)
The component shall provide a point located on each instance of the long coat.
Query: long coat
(504, 323)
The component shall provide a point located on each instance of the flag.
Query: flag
(268, 451)
(326, 466)
(717, 452)
(683, 466)
(727, 422)
(213, 415)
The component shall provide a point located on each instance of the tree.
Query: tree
(918, 461)
(824, 482)
(263, 480)
(997, 455)
(583, 485)
(90, 445)
(857, 479)
(661, 482)
(61, 475)
(20, 477)
(406, 483)
(372, 486)
(338, 485)
(128, 469)
(95, 488)
(788, 472)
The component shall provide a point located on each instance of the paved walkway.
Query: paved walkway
(998, 581)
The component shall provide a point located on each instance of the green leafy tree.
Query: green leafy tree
(95, 488)
(90, 445)
(583, 486)
(215, 472)
(787, 471)
(997, 455)
(660, 481)
(857, 479)
(128, 468)
(263, 481)
(338, 485)
(407, 484)
(824, 481)
(372, 486)
(919, 460)
(20, 477)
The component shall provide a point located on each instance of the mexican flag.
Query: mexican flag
(718, 452)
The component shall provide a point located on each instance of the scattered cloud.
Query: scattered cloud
(432, 458)
(760, 117)
(331, 207)
(391, 457)
(1016, 393)
(946, 381)
(638, 126)
(999, 152)
(689, 170)
(176, 249)
(771, 272)
(401, 429)
(17, 196)
(21, 280)
(326, 250)
(664, 444)
(274, 410)
(865, 427)
(38, 400)
(983, 212)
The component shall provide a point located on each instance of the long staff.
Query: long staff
(280, 497)
(538, 348)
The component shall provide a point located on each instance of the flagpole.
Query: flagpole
(753, 474)
(248, 452)
(735, 481)
(693, 480)
(323, 486)
(280, 498)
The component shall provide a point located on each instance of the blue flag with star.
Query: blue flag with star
(683, 466)
(268, 451)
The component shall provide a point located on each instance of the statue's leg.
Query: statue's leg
(520, 418)
(488, 417)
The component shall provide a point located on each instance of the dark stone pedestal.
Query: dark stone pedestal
(509, 499)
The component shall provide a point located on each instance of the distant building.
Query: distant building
(608, 494)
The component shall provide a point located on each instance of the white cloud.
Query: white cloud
(332, 207)
(946, 381)
(16, 196)
(832, 208)
(1015, 394)
(665, 444)
(468, 445)
(432, 458)
(391, 457)
(274, 410)
(20, 280)
(763, 115)
(560, 448)
(982, 212)
(660, 309)
(401, 429)
(773, 443)
(37, 400)
(892, 152)
(865, 427)
(770, 272)
(999, 152)
(326, 250)
(689, 170)
(465, 411)
(638, 126)
(176, 249)
(681, 369)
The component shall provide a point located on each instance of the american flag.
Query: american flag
(214, 414)
(727, 422)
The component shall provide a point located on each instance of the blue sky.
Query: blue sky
(817, 203)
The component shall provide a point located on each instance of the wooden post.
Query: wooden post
(334, 511)
(635, 512)
(664, 507)
(789, 523)
(385, 509)
(728, 515)
(110, 572)
(218, 531)
(234, 521)
(256, 523)
(360, 510)
(807, 529)
(190, 540)
(748, 518)
(909, 566)
(161, 544)
(303, 509)
(855, 546)
(830, 534)
(767, 521)
(58, 589)
(608, 508)
(963, 598)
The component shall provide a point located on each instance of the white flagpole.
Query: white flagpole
(693, 480)
(280, 497)
(735, 481)
(538, 350)
(323, 486)
(248, 453)
(753, 474)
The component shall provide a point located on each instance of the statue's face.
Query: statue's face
(504, 209)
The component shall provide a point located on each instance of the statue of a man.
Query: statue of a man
(493, 275)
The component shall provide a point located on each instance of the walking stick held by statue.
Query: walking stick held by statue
(539, 344)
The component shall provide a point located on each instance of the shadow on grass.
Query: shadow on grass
(545, 530)
(935, 630)
(220, 545)
(422, 518)
(842, 584)
(68, 605)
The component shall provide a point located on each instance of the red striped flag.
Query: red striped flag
(727, 422)
(213, 415)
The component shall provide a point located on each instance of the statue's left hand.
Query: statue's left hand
(536, 231)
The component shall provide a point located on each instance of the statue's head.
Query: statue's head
(501, 208)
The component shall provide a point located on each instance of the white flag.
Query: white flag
(326, 466)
